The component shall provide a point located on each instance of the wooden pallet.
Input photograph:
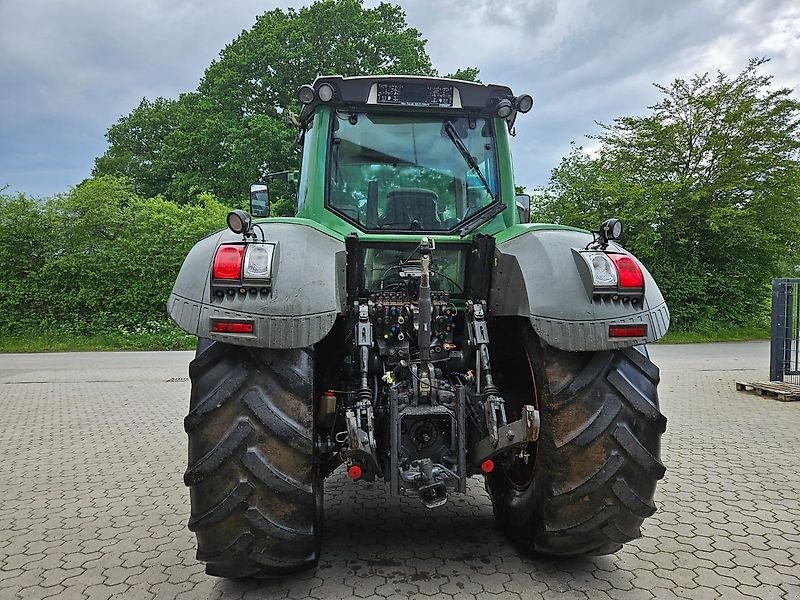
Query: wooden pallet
(785, 392)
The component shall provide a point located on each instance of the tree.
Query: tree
(466, 74)
(136, 145)
(708, 185)
(229, 131)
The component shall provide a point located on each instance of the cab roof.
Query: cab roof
(406, 91)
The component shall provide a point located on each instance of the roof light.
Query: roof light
(306, 94)
(504, 108)
(325, 92)
(228, 261)
(524, 103)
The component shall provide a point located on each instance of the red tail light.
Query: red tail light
(630, 275)
(228, 261)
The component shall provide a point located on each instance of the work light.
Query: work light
(238, 221)
(504, 108)
(325, 92)
(305, 94)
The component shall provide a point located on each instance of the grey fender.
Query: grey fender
(307, 290)
(536, 276)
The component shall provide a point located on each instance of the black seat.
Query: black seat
(405, 205)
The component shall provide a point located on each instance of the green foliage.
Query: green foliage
(167, 337)
(98, 259)
(466, 74)
(708, 185)
(715, 333)
(231, 130)
(136, 143)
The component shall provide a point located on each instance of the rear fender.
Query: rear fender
(536, 276)
(307, 290)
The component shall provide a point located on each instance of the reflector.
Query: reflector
(626, 331)
(354, 472)
(232, 326)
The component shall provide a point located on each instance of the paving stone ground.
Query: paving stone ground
(92, 503)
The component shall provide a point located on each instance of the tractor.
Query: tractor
(409, 326)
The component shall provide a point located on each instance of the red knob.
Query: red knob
(354, 472)
(487, 466)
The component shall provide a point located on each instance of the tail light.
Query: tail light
(630, 275)
(601, 267)
(228, 261)
(251, 262)
(613, 272)
(258, 261)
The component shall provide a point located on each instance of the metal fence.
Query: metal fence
(784, 363)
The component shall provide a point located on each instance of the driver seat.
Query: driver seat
(404, 205)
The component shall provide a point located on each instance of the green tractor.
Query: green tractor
(410, 326)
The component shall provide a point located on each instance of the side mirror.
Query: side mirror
(524, 207)
(259, 200)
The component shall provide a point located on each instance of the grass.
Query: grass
(716, 334)
(72, 342)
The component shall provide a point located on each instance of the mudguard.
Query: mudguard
(307, 290)
(536, 276)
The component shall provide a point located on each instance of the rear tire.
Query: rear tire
(592, 482)
(256, 494)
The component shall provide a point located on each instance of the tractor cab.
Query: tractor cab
(406, 155)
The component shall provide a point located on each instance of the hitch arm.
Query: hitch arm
(512, 436)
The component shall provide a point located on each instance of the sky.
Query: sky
(71, 68)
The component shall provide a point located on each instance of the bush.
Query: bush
(99, 259)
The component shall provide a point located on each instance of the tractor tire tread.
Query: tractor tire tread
(247, 437)
(597, 456)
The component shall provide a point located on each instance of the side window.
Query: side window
(302, 188)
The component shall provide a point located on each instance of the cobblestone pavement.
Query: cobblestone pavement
(92, 503)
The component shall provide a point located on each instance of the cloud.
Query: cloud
(69, 70)
(586, 61)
